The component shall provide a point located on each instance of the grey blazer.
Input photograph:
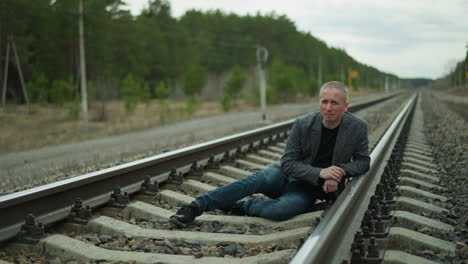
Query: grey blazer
(351, 151)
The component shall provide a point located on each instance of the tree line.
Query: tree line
(458, 75)
(144, 56)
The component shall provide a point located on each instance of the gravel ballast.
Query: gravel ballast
(447, 133)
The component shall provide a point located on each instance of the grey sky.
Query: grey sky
(412, 38)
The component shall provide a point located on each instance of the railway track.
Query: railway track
(121, 214)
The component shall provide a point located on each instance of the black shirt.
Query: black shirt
(327, 145)
(324, 158)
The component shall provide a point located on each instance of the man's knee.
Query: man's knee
(278, 215)
(273, 176)
(281, 210)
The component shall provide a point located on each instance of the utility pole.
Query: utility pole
(11, 42)
(319, 71)
(20, 72)
(262, 56)
(84, 95)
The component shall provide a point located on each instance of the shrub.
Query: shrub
(226, 102)
(38, 89)
(62, 92)
(134, 92)
(74, 108)
(161, 91)
(233, 87)
(194, 79)
(130, 93)
(235, 83)
(287, 82)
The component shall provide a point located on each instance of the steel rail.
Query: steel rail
(52, 202)
(331, 239)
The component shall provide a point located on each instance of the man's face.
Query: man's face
(332, 104)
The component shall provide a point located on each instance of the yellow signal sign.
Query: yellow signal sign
(353, 74)
(466, 75)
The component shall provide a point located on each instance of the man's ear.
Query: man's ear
(346, 107)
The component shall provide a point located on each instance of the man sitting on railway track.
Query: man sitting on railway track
(322, 150)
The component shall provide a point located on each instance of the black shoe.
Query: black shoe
(236, 208)
(185, 215)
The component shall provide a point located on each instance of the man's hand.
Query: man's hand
(332, 173)
(330, 186)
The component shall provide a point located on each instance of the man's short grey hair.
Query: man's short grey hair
(336, 85)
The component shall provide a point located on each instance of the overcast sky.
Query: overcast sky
(412, 38)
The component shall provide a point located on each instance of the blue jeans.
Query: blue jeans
(287, 201)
